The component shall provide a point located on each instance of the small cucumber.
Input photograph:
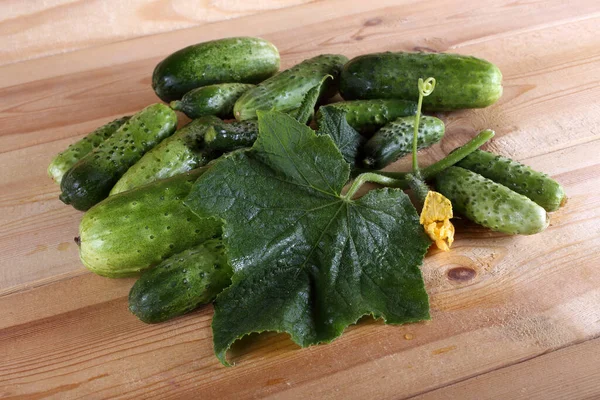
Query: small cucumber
(135, 230)
(63, 161)
(535, 185)
(236, 59)
(177, 154)
(222, 138)
(181, 283)
(286, 90)
(366, 116)
(461, 81)
(489, 203)
(395, 140)
(211, 100)
(90, 180)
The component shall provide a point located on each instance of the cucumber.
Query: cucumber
(90, 180)
(489, 203)
(366, 116)
(395, 140)
(181, 283)
(236, 59)
(222, 138)
(539, 187)
(461, 81)
(63, 161)
(135, 230)
(286, 90)
(177, 154)
(211, 100)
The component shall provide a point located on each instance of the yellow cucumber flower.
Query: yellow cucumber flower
(435, 218)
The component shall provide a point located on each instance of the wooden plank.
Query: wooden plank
(67, 333)
(569, 373)
(35, 29)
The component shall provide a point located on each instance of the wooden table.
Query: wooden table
(522, 323)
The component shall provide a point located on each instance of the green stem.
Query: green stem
(372, 177)
(458, 154)
(415, 163)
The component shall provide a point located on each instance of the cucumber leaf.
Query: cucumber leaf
(333, 122)
(306, 111)
(307, 260)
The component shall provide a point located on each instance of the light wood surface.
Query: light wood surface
(523, 326)
(31, 29)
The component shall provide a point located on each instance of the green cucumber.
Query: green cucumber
(177, 154)
(366, 116)
(222, 138)
(461, 81)
(90, 180)
(535, 185)
(236, 59)
(181, 283)
(395, 140)
(211, 100)
(63, 161)
(286, 90)
(135, 230)
(489, 203)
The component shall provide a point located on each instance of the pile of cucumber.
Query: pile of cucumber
(132, 174)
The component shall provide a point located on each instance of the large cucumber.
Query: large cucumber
(221, 138)
(366, 116)
(395, 140)
(134, 230)
(535, 185)
(181, 152)
(237, 59)
(181, 283)
(461, 81)
(286, 90)
(490, 204)
(91, 178)
(211, 100)
(63, 161)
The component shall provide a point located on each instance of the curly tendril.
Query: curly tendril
(426, 87)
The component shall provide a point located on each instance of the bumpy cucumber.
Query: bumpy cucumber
(366, 116)
(222, 138)
(489, 203)
(181, 283)
(91, 178)
(237, 59)
(211, 100)
(63, 161)
(535, 185)
(395, 140)
(461, 81)
(135, 230)
(286, 90)
(177, 154)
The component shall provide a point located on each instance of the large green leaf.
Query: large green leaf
(307, 260)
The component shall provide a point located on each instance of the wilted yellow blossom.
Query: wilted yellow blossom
(435, 218)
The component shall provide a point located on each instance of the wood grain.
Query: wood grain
(528, 307)
(32, 29)
(569, 373)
